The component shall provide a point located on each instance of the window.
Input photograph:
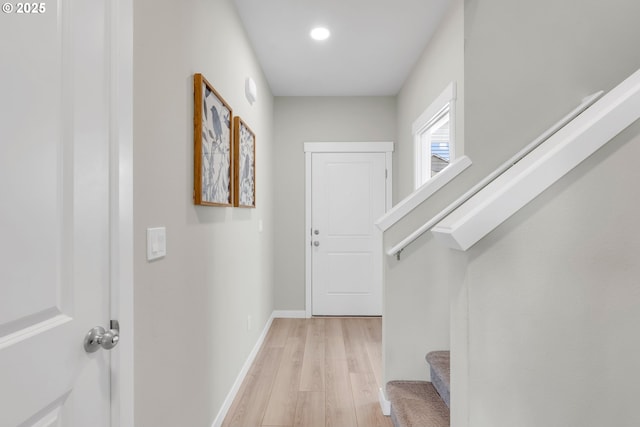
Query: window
(433, 133)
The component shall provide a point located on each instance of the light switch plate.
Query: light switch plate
(156, 243)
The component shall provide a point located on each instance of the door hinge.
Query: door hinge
(386, 174)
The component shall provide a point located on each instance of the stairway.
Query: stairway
(422, 403)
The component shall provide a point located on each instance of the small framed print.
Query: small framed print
(213, 150)
(245, 164)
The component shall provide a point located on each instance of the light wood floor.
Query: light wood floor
(314, 372)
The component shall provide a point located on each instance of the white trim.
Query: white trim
(412, 201)
(289, 314)
(307, 233)
(337, 147)
(563, 151)
(120, 21)
(385, 405)
(228, 401)
(446, 100)
(587, 102)
(389, 181)
(447, 95)
(348, 147)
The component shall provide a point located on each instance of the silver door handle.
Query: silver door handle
(316, 243)
(99, 337)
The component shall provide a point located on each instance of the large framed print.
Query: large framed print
(245, 164)
(213, 151)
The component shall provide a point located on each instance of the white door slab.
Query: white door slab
(348, 195)
(54, 222)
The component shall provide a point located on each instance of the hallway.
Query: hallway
(314, 372)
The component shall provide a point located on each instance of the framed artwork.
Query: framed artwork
(245, 164)
(213, 150)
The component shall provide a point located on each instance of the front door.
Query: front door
(54, 220)
(348, 195)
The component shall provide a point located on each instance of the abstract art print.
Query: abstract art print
(213, 151)
(245, 164)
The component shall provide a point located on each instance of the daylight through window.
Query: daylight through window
(433, 137)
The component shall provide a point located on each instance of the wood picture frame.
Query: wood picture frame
(245, 164)
(213, 149)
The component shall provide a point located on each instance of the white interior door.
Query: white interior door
(348, 195)
(54, 220)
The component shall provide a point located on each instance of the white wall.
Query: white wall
(441, 62)
(191, 308)
(416, 306)
(553, 302)
(313, 119)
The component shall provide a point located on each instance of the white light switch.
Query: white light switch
(156, 243)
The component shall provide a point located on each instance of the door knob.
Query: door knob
(316, 243)
(99, 337)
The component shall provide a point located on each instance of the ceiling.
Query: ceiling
(374, 44)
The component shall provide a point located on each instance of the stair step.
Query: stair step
(439, 362)
(416, 404)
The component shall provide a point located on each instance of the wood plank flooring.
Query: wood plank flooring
(319, 372)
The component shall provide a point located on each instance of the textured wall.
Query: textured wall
(416, 308)
(313, 119)
(441, 62)
(191, 308)
(552, 293)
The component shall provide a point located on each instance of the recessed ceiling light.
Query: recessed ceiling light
(320, 33)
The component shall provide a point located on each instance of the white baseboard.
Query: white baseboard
(226, 405)
(289, 314)
(385, 405)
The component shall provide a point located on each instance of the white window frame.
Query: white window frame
(444, 103)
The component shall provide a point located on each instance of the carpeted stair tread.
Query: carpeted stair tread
(439, 362)
(416, 404)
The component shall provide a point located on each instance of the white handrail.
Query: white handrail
(564, 151)
(413, 200)
(586, 103)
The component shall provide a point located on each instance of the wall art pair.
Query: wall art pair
(224, 151)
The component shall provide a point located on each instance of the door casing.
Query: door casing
(337, 147)
(121, 216)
